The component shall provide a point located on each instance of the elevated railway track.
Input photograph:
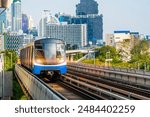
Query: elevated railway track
(84, 83)
(92, 75)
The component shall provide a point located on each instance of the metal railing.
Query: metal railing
(37, 89)
(127, 70)
(141, 78)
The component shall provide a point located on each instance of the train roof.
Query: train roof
(50, 39)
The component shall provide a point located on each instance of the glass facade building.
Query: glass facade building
(16, 16)
(94, 24)
(25, 23)
(13, 41)
(87, 13)
(86, 7)
(2, 21)
(75, 35)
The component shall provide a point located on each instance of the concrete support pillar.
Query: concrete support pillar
(71, 58)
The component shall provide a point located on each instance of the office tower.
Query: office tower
(94, 26)
(87, 13)
(5, 21)
(8, 19)
(75, 35)
(25, 23)
(46, 18)
(43, 22)
(2, 21)
(13, 41)
(16, 16)
(86, 7)
(64, 17)
(30, 23)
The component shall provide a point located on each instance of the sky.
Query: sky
(130, 15)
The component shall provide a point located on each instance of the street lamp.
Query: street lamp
(108, 58)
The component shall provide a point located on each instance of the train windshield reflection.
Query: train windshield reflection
(49, 53)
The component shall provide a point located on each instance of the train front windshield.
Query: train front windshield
(49, 53)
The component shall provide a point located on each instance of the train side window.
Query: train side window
(60, 50)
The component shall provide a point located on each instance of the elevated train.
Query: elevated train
(45, 57)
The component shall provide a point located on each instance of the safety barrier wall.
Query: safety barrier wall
(132, 76)
(37, 89)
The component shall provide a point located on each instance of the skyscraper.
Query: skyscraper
(25, 23)
(94, 24)
(8, 19)
(16, 16)
(5, 21)
(2, 21)
(86, 7)
(87, 13)
(46, 18)
(30, 23)
(75, 35)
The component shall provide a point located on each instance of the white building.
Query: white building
(109, 39)
(119, 36)
(16, 16)
(27, 38)
(72, 34)
(46, 18)
(30, 22)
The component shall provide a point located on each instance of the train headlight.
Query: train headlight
(39, 61)
(60, 60)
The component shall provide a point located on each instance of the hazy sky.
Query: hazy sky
(133, 15)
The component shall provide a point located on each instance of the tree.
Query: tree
(101, 53)
(10, 59)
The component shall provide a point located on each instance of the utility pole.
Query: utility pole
(94, 58)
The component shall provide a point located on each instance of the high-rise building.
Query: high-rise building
(2, 21)
(64, 17)
(30, 23)
(13, 41)
(46, 18)
(87, 13)
(94, 26)
(8, 19)
(25, 23)
(16, 16)
(5, 21)
(75, 35)
(86, 7)
(27, 38)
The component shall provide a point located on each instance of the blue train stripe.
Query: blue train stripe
(37, 69)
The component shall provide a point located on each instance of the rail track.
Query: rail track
(79, 85)
(69, 91)
(119, 87)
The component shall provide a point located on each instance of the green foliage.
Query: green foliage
(140, 48)
(17, 91)
(78, 56)
(140, 54)
(10, 58)
(91, 61)
(108, 52)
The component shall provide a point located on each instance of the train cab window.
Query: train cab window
(50, 53)
(60, 53)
